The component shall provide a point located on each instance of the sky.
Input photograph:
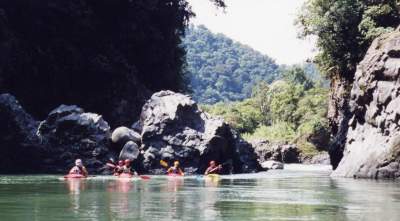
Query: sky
(265, 25)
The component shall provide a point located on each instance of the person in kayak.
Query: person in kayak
(127, 168)
(119, 168)
(213, 168)
(79, 168)
(176, 170)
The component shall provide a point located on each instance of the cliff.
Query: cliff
(368, 127)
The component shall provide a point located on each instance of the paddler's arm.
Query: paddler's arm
(84, 171)
(207, 171)
(181, 172)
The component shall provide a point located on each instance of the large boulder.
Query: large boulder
(122, 135)
(18, 140)
(281, 152)
(372, 144)
(174, 128)
(70, 133)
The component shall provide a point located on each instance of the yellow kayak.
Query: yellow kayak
(213, 176)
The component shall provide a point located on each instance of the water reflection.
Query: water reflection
(75, 186)
(283, 195)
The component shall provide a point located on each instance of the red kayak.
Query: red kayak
(125, 175)
(74, 176)
(174, 175)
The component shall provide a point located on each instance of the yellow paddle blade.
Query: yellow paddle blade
(163, 163)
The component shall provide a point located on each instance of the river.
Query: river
(296, 193)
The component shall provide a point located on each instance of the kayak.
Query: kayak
(74, 176)
(213, 176)
(125, 175)
(174, 176)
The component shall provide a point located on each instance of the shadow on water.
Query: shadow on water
(282, 195)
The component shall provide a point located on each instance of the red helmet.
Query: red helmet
(127, 161)
(121, 162)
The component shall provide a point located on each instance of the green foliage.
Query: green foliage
(345, 29)
(243, 116)
(284, 111)
(220, 69)
(297, 75)
(279, 131)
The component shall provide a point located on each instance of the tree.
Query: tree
(345, 29)
(297, 75)
(220, 69)
(106, 56)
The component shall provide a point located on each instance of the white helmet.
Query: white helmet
(78, 162)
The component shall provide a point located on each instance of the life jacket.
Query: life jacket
(77, 170)
(175, 170)
(119, 169)
(126, 169)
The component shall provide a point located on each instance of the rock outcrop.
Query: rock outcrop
(281, 152)
(69, 133)
(174, 128)
(372, 144)
(171, 127)
(18, 140)
(51, 146)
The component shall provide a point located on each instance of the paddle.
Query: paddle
(145, 177)
(163, 163)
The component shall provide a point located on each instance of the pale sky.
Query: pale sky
(265, 25)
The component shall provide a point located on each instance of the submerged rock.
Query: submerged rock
(174, 128)
(372, 144)
(272, 165)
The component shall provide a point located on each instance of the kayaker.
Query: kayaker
(213, 168)
(128, 169)
(119, 168)
(176, 170)
(79, 168)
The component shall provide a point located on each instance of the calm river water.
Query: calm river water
(296, 193)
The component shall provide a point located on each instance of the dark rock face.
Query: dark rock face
(285, 153)
(69, 133)
(51, 146)
(338, 116)
(174, 128)
(105, 56)
(18, 139)
(372, 144)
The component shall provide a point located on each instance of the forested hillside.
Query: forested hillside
(221, 69)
